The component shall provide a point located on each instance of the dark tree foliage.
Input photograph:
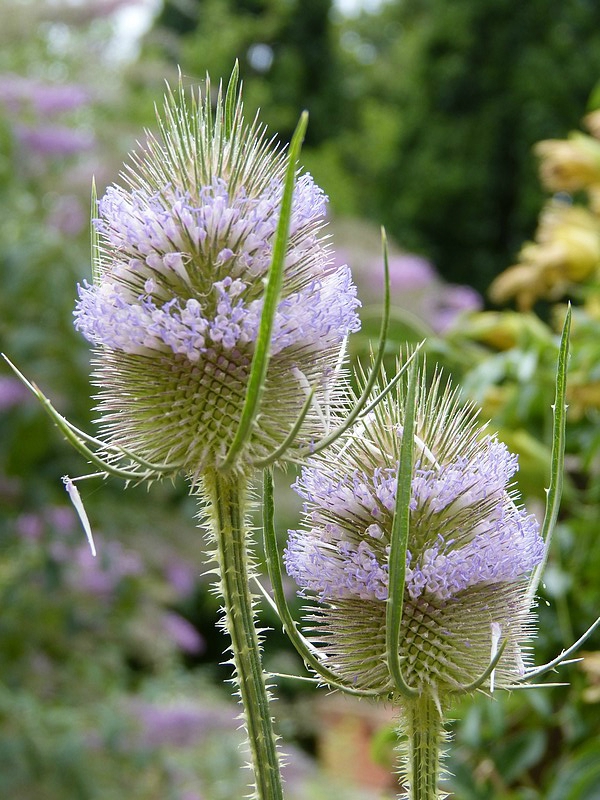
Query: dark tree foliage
(479, 84)
(284, 47)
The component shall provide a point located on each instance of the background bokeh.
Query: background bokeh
(423, 117)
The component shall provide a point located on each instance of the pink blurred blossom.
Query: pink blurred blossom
(182, 633)
(100, 575)
(180, 723)
(12, 392)
(408, 272)
(67, 215)
(445, 308)
(53, 140)
(30, 526)
(18, 92)
(62, 518)
(181, 576)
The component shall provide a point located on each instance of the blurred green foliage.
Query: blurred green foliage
(422, 117)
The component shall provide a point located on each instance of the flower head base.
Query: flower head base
(179, 282)
(469, 550)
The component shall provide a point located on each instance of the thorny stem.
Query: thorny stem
(226, 493)
(423, 724)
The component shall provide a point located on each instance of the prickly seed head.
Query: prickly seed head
(470, 549)
(179, 276)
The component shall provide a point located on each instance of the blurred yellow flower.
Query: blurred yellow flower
(592, 122)
(590, 665)
(566, 251)
(568, 165)
(583, 397)
(503, 330)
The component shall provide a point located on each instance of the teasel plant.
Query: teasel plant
(219, 325)
(418, 566)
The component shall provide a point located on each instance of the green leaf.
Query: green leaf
(558, 454)
(579, 779)
(518, 753)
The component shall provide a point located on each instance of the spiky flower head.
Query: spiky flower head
(470, 549)
(184, 248)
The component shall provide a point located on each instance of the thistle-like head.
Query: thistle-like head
(469, 549)
(183, 251)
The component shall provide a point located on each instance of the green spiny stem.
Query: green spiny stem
(226, 493)
(423, 725)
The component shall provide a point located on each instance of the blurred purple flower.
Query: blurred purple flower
(67, 215)
(297, 769)
(61, 518)
(83, 13)
(30, 526)
(12, 392)
(182, 633)
(91, 575)
(180, 723)
(53, 140)
(46, 99)
(100, 575)
(181, 576)
(444, 309)
(408, 272)
(185, 723)
(50, 99)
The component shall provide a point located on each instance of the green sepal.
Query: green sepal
(564, 657)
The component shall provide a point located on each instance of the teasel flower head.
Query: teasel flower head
(469, 550)
(182, 256)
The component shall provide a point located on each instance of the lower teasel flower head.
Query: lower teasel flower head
(179, 278)
(470, 549)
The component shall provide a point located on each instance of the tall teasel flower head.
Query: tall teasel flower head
(469, 549)
(419, 565)
(174, 311)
